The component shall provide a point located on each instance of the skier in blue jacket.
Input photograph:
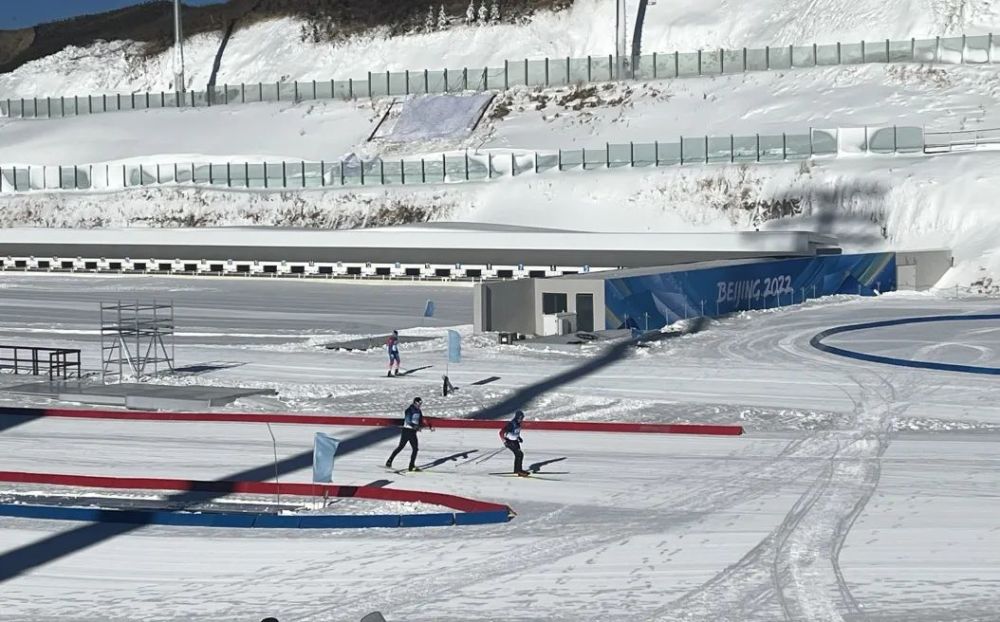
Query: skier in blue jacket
(392, 345)
(511, 437)
(413, 422)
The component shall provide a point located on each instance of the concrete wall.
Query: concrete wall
(920, 270)
(506, 306)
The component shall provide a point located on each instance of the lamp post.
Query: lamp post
(178, 49)
(621, 24)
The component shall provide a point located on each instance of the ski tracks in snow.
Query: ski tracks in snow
(794, 573)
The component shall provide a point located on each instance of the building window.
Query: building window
(553, 303)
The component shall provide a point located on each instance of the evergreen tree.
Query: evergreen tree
(470, 12)
(442, 19)
(494, 13)
(429, 20)
(483, 12)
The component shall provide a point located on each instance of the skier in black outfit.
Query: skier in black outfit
(511, 437)
(413, 422)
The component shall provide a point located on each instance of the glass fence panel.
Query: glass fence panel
(850, 53)
(876, 52)
(977, 49)
(804, 56)
(771, 148)
(744, 148)
(687, 64)
(667, 153)
(780, 57)
(733, 61)
(718, 149)
(619, 155)
(644, 154)
(797, 146)
(952, 50)
(757, 59)
(693, 150)
(827, 55)
(711, 62)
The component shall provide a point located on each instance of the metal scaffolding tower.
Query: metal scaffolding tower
(137, 339)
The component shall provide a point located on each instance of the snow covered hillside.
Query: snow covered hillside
(275, 50)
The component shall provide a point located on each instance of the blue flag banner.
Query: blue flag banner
(429, 309)
(454, 347)
(324, 448)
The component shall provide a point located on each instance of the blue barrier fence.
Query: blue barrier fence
(250, 520)
(817, 342)
(651, 301)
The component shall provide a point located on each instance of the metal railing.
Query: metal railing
(463, 166)
(56, 362)
(962, 140)
(546, 72)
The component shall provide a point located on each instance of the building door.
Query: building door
(585, 312)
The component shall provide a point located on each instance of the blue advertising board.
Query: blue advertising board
(652, 301)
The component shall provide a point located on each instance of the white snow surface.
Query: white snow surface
(274, 50)
(822, 511)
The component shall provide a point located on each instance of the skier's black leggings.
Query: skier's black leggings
(408, 436)
(515, 446)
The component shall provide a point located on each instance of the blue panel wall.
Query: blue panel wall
(653, 301)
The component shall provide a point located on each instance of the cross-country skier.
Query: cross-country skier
(392, 345)
(511, 437)
(413, 422)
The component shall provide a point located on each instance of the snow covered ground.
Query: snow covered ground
(274, 50)
(859, 491)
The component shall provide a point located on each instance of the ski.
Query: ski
(529, 476)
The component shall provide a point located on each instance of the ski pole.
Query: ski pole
(488, 456)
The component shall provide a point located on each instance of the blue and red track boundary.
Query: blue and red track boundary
(817, 342)
(466, 511)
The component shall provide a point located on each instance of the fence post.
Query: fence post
(767, 57)
(14, 175)
(489, 165)
(369, 84)
(62, 106)
(76, 177)
(706, 148)
(607, 155)
(466, 165)
(839, 59)
(124, 178)
(654, 65)
(465, 78)
(864, 57)
(811, 151)
(486, 79)
(589, 78)
(815, 55)
(699, 62)
(142, 175)
(444, 167)
(104, 102)
(266, 182)
(656, 153)
(536, 163)
(546, 71)
(350, 88)
(559, 161)
(631, 154)
(506, 75)
(342, 173)
(989, 48)
(937, 49)
(677, 64)
(962, 57)
(513, 165)
(784, 146)
(402, 172)
(388, 88)
(423, 170)
(681, 143)
(407, 78)
(362, 172)
(567, 70)
(722, 61)
(445, 79)
(887, 59)
(791, 56)
(732, 149)
(758, 147)
(526, 72)
(611, 67)
(59, 171)
(426, 83)
(744, 60)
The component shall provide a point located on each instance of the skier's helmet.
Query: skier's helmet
(519, 415)
(395, 333)
(417, 400)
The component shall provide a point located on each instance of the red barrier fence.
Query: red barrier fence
(454, 502)
(336, 420)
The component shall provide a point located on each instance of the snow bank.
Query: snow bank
(869, 203)
(274, 50)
